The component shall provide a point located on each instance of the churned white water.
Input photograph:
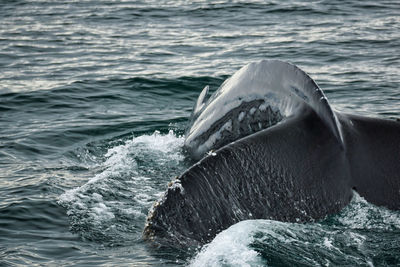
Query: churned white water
(230, 248)
(127, 184)
(272, 243)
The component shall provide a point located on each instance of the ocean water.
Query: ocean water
(94, 100)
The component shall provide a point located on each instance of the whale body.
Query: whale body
(269, 146)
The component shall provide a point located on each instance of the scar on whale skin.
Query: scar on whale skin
(279, 152)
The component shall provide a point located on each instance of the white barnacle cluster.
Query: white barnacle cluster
(172, 187)
(211, 153)
(176, 185)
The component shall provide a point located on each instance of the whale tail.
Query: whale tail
(277, 151)
(294, 171)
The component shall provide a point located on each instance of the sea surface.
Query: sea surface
(95, 97)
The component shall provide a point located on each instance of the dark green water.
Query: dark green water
(94, 99)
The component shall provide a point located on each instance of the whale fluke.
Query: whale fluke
(271, 147)
(373, 154)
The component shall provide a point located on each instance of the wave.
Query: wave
(362, 234)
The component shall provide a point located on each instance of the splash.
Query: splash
(363, 215)
(342, 239)
(230, 248)
(115, 201)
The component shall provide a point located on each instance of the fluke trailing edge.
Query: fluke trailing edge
(270, 147)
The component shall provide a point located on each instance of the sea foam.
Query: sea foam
(126, 186)
(342, 239)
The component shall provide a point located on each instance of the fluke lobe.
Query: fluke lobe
(270, 146)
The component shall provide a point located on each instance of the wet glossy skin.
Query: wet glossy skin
(298, 170)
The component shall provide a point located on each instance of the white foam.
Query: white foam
(122, 188)
(339, 240)
(328, 243)
(100, 212)
(361, 214)
(229, 248)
